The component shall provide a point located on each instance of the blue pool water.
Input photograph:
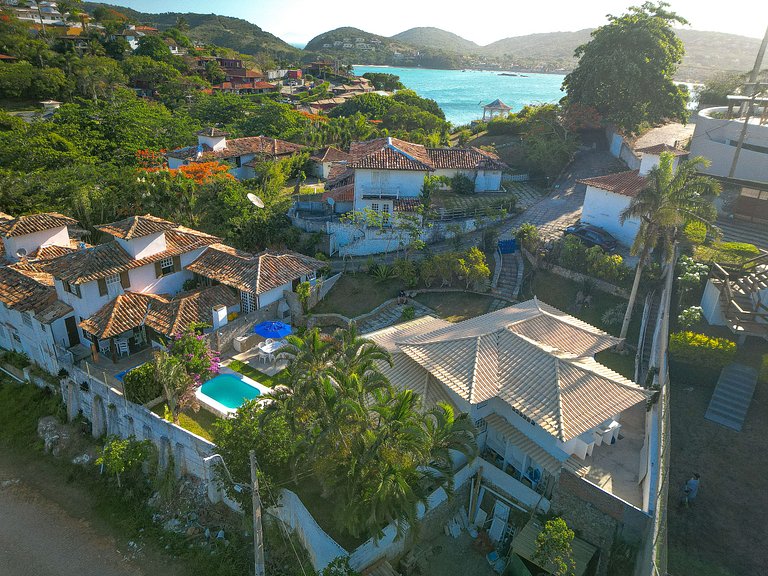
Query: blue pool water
(462, 94)
(121, 375)
(229, 390)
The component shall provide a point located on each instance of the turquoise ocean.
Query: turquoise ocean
(462, 94)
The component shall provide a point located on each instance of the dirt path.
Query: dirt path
(47, 527)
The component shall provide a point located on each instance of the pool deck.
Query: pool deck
(251, 357)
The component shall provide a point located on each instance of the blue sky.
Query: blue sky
(298, 21)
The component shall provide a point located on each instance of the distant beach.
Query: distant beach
(461, 94)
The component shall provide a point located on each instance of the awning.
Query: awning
(514, 436)
(524, 544)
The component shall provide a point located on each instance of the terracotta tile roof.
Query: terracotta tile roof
(658, 149)
(126, 311)
(20, 292)
(532, 356)
(136, 227)
(389, 154)
(257, 273)
(212, 132)
(51, 251)
(339, 175)
(185, 309)
(109, 259)
(465, 159)
(21, 225)
(344, 193)
(253, 145)
(625, 183)
(406, 204)
(187, 152)
(33, 270)
(264, 86)
(330, 154)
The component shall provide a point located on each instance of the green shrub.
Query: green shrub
(695, 232)
(462, 184)
(702, 350)
(763, 376)
(726, 252)
(408, 313)
(527, 236)
(382, 271)
(16, 359)
(140, 385)
(608, 267)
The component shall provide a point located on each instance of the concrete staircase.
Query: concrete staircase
(732, 396)
(740, 231)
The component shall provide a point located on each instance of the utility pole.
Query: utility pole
(258, 538)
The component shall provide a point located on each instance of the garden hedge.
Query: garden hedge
(140, 385)
(702, 350)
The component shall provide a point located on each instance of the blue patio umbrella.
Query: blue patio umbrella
(272, 329)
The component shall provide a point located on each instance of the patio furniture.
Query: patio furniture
(122, 346)
(272, 346)
(104, 347)
(499, 522)
(273, 329)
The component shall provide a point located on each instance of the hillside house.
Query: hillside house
(113, 300)
(242, 153)
(608, 196)
(324, 159)
(559, 433)
(527, 376)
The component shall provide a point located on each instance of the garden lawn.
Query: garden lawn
(455, 306)
(723, 533)
(624, 364)
(200, 422)
(356, 294)
(253, 374)
(561, 293)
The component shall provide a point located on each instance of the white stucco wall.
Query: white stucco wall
(403, 183)
(716, 140)
(144, 246)
(602, 208)
(36, 341)
(31, 242)
(266, 298)
(215, 142)
(710, 305)
(174, 163)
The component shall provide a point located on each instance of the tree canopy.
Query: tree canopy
(626, 70)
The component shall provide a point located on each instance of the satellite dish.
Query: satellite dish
(255, 200)
(21, 252)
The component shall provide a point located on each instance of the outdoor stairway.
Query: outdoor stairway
(739, 231)
(647, 343)
(732, 396)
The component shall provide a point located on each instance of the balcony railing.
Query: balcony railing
(373, 191)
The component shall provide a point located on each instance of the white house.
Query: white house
(151, 280)
(241, 153)
(527, 376)
(608, 196)
(325, 158)
(718, 131)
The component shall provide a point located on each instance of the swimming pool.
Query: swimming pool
(225, 393)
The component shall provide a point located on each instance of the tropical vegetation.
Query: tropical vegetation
(638, 49)
(671, 199)
(377, 452)
(701, 350)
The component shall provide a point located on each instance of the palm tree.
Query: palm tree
(446, 433)
(177, 384)
(357, 354)
(671, 199)
(309, 358)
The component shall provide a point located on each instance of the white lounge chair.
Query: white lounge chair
(122, 347)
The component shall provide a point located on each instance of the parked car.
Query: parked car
(593, 236)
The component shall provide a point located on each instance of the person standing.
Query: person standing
(691, 489)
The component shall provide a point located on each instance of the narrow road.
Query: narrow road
(46, 528)
(38, 538)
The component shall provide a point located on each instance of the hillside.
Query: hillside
(437, 39)
(234, 33)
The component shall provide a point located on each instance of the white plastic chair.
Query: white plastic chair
(122, 347)
(104, 347)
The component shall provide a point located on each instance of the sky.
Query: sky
(298, 21)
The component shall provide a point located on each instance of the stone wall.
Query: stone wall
(596, 516)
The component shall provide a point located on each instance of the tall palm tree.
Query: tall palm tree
(670, 199)
(446, 433)
(309, 358)
(357, 354)
(177, 384)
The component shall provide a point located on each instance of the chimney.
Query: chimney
(219, 314)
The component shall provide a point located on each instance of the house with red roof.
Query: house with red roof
(608, 196)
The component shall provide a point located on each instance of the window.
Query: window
(375, 206)
(385, 213)
(27, 319)
(166, 266)
(73, 289)
(114, 286)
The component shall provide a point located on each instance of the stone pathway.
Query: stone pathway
(391, 314)
(527, 194)
(732, 396)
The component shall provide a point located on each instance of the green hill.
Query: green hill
(234, 33)
(437, 39)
